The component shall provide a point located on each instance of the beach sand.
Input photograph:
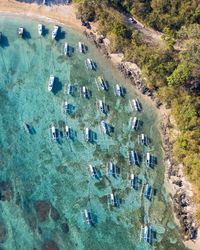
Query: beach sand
(66, 15)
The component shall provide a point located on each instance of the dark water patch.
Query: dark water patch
(26, 35)
(50, 245)
(3, 232)
(64, 228)
(6, 191)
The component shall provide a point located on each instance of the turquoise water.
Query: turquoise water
(46, 185)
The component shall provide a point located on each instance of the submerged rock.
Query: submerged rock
(65, 227)
(6, 191)
(42, 209)
(50, 245)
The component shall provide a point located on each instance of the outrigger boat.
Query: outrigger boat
(93, 171)
(66, 49)
(133, 158)
(148, 192)
(66, 107)
(113, 170)
(113, 200)
(101, 83)
(26, 127)
(134, 181)
(68, 132)
(135, 123)
(87, 216)
(81, 47)
(143, 139)
(21, 31)
(90, 64)
(54, 133)
(55, 32)
(88, 136)
(136, 105)
(40, 29)
(150, 160)
(147, 234)
(71, 90)
(51, 82)
(119, 90)
(84, 92)
(102, 107)
(104, 127)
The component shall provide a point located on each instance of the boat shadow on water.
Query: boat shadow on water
(26, 35)
(45, 31)
(4, 42)
(57, 86)
(61, 35)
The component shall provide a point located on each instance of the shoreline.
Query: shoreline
(66, 15)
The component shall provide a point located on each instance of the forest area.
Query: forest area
(173, 71)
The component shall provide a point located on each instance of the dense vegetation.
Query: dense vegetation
(173, 71)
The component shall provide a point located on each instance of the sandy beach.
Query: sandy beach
(66, 15)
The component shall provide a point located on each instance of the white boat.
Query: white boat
(51, 82)
(143, 140)
(26, 127)
(87, 134)
(81, 47)
(40, 29)
(55, 32)
(21, 31)
(102, 107)
(150, 160)
(53, 133)
(135, 123)
(87, 216)
(134, 181)
(66, 107)
(84, 92)
(118, 90)
(66, 49)
(71, 90)
(90, 64)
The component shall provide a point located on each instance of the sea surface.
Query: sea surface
(45, 185)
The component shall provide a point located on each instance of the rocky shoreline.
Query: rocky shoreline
(181, 189)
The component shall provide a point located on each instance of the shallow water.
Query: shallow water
(46, 185)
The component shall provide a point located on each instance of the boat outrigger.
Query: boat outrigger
(66, 49)
(51, 82)
(101, 83)
(40, 29)
(136, 105)
(67, 107)
(93, 171)
(81, 47)
(135, 123)
(88, 135)
(113, 170)
(133, 158)
(21, 31)
(88, 217)
(102, 107)
(55, 32)
(90, 64)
